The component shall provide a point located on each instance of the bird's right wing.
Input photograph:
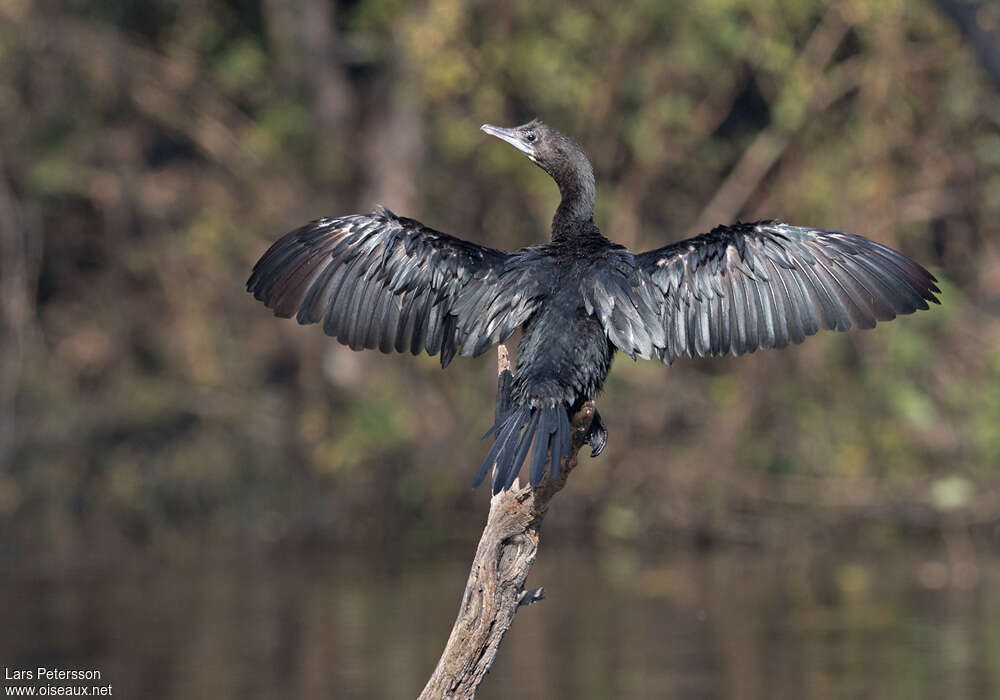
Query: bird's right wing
(382, 281)
(768, 284)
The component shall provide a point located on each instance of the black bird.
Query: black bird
(388, 282)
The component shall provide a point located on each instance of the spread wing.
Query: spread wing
(767, 285)
(388, 282)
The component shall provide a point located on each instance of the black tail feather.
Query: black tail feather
(522, 450)
(506, 468)
(506, 428)
(559, 444)
(539, 455)
(542, 428)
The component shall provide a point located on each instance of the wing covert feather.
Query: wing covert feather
(765, 285)
(388, 282)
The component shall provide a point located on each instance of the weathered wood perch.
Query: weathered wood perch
(495, 589)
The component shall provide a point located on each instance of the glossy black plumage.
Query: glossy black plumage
(387, 282)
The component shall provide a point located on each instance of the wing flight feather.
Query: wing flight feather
(755, 286)
(388, 282)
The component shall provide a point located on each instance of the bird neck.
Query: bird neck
(576, 185)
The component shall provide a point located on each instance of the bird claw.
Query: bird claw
(597, 435)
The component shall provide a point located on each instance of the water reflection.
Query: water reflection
(731, 625)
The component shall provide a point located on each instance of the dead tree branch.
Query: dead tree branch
(495, 589)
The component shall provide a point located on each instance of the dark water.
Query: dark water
(732, 625)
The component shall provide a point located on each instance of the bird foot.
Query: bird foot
(597, 435)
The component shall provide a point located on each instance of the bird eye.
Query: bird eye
(530, 136)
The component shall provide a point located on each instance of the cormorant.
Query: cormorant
(384, 281)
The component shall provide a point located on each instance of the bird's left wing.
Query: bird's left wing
(767, 285)
(382, 281)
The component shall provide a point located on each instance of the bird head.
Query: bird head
(549, 149)
(558, 155)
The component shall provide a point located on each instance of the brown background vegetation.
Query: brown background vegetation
(151, 151)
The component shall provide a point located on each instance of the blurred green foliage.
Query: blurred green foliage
(151, 152)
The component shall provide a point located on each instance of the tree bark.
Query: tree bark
(495, 589)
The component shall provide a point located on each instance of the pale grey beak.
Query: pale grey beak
(511, 136)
